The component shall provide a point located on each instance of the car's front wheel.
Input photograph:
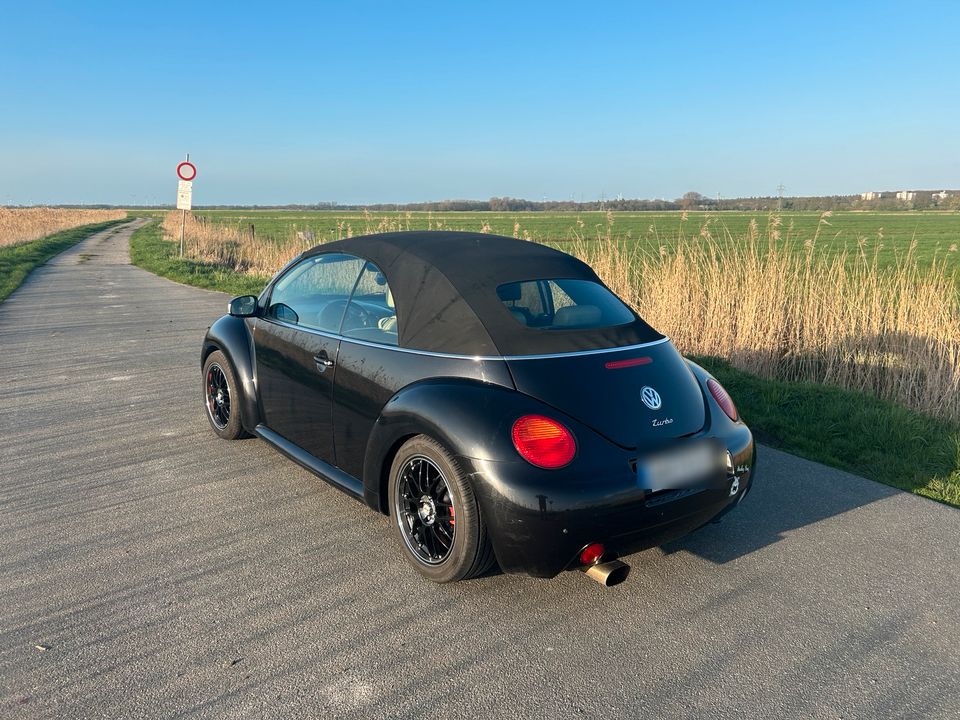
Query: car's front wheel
(436, 513)
(221, 397)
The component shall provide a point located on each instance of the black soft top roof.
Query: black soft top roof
(444, 286)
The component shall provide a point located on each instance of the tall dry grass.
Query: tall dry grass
(237, 246)
(785, 310)
(232, 247)
(19, 225)
(777, 308)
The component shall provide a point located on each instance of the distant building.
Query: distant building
(871, 195)
(942, 195)
(906, 195)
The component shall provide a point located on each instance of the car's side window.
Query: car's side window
(315, 292)
(371, 314)
(563, 304)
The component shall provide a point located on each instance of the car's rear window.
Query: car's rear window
(563, 304)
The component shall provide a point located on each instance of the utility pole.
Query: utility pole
(780, 189)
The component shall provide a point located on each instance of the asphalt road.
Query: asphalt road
(152, 570)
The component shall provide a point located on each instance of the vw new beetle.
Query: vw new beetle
(490, 395)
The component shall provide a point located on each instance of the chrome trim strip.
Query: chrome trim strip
(579, 353)
(454, 356)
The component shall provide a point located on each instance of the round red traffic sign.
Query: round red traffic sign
(186, 171)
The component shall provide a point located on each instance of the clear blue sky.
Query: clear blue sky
(395, 102)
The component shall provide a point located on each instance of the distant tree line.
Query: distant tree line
(690, 201)
(509, 204)
(923, 199)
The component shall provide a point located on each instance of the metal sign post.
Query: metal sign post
(186, 171)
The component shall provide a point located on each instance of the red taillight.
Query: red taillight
(632, 362)
(591, 554)
(723, 398)
(543, 442)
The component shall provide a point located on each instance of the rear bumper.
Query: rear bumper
(539, 521)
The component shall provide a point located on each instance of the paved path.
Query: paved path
(170, 574)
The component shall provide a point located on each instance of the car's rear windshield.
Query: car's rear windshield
(563, 304)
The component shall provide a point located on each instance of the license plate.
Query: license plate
(693, 464)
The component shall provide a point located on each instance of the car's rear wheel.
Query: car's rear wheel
(436, 513)
(221, 397)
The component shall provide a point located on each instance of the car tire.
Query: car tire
(221, 397)
(432, 505)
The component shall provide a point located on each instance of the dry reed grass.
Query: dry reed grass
(773, 307)
(20, 225)
(785, 311)
(231, 247)
(237, 247)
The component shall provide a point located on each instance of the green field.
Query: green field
(936, 233)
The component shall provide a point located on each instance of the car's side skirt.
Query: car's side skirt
(333, 475)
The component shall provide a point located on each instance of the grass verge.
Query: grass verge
(18, 261)
(149, 250)
(848, 430)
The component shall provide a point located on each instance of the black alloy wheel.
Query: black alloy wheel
(221, 397)
(218, 396)
(436, 513)
(427, 517)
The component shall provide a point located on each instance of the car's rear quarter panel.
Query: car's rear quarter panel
(367, 377)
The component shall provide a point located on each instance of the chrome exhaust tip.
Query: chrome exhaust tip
(609, 573)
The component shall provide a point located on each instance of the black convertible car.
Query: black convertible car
(491, 395)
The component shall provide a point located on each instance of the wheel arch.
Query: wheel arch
(381, 503)
(468, 417)
(231, 336)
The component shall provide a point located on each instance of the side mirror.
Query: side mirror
(243, 306)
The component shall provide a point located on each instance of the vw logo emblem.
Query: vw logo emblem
(651, 398)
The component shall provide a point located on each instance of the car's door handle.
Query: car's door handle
(323, 362)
